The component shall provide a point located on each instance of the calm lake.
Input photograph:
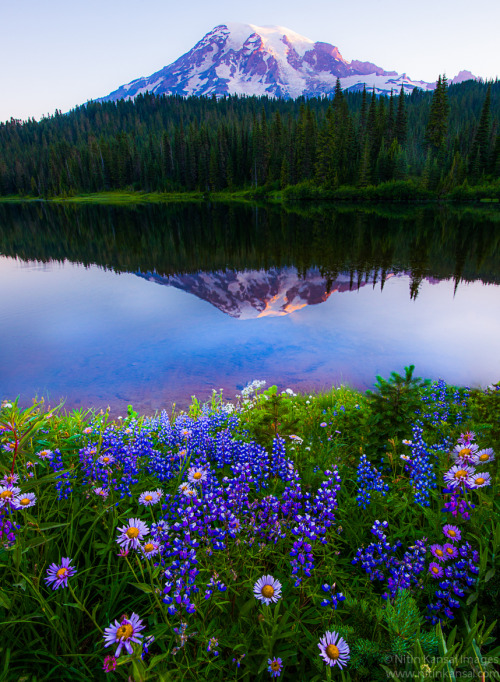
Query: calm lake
(153, 304)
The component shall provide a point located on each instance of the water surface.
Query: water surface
(109, 306)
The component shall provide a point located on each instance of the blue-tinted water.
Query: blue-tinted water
(151, 337)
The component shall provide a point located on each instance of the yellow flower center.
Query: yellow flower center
(449, 550)
(105, 460)
(464, 452)
(132, 532)
(148, 498)
(484, 458)
(61, 572)
(452, 533)
(267, 591)
(25, 500)
(6, 494)
(479, 481)
(439, 552)
(332, 652)
(435, 569)
(461, 473)
(149, 547)
(275, 665)
(197, 475)
(125, 631)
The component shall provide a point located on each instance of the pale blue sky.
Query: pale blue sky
(60, 53)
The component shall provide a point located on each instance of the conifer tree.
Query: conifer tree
(401, 124)
(480, 153)
(437, 126)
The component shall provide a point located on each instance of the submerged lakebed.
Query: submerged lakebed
(152, 304)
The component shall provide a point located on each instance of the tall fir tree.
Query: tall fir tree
(437, 126)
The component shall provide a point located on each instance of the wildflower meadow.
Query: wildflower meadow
(338, 535)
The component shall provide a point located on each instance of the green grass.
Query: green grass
(404, 191)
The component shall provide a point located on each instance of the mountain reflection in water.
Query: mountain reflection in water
(78, 330)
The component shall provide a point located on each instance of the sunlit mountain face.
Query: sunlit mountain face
(276, 292)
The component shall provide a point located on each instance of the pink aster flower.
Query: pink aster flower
(267, 589)
(334, 650)
(131, 535)
(466, 438)
(59, 574)
(452, 532)
(102, 492)
(459, 475)
(124, 633)
(9, 480)
(109, 664)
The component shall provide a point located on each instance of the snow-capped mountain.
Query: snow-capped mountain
(249, 294)
(245, 59)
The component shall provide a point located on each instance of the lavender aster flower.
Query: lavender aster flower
(150, 497)
(124, 633)
(275, 666)
(452, 532)
(196, 475)
(450, 552)
(59, 574)
(45, 454)
(438, 552)
(459, 474)
(106, 459)
(481, 480)
(435, 570)
(150, 549)
(267, 589)
(7, 495)
(484, 456)
(9, 480)
(333, 649)
(131, 535)
(464, 452)
(24, 500)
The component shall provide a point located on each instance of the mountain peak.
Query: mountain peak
(246, 59)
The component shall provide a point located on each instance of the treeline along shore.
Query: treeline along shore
(350, 146)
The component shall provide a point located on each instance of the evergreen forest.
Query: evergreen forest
(427, 144)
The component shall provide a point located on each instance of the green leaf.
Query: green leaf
(471, 598)
(489, 575)
(5, 601)
(144, 587)
(49, 526)
(35, 542)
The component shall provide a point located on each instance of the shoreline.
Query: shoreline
(344, 195)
